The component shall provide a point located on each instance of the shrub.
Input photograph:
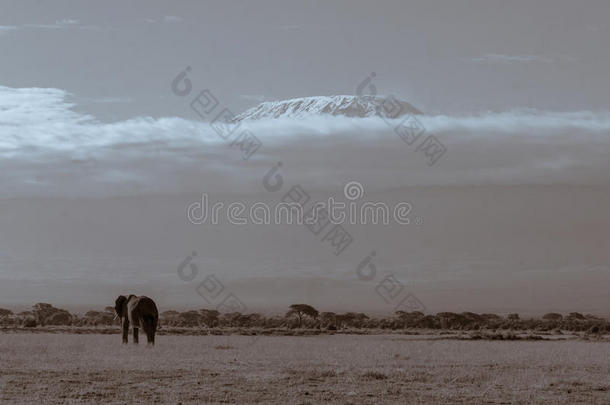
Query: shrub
(552, 316)
(44, 313)
(594, 329)
(7, 320)
(575, 316)
(374, 375)
(5, 312)
(59, 318)
(301, 311)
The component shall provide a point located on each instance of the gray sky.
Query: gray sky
(443, 56)
(100, 159)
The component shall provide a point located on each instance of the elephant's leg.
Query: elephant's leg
(135, 336)
(149, 325)
(148, 331)
(150, 334)
(125, 331)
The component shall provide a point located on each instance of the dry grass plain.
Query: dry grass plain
(345, 369)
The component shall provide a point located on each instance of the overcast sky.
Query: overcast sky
(100, 158)
(443, 56)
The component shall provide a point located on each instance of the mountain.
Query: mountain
(348, 106)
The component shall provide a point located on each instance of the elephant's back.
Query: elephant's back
(150, 305)
(141, 307)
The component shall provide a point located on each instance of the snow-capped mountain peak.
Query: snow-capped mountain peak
(348, 106)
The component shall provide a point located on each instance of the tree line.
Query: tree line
(307, 317)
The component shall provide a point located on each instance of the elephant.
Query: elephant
(140, 312)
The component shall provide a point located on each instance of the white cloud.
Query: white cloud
(7, 28)
(501, 58)
(47, 148)
(67, 21)
(104, 100)
(171, 19)
(168, 19)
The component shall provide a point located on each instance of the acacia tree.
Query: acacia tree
(99, 317)
(6, 316)
(301, 310)
(552, 316)
(169, 318)
(189, 318)
(231, 319)
(328, 320)
(47, 313)
(408, 319)
(576, 316)
(344, 319)
(351, 319)
(209, 317)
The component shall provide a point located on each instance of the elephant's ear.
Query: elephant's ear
(119, 306)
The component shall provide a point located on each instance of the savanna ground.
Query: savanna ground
(345, 369)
